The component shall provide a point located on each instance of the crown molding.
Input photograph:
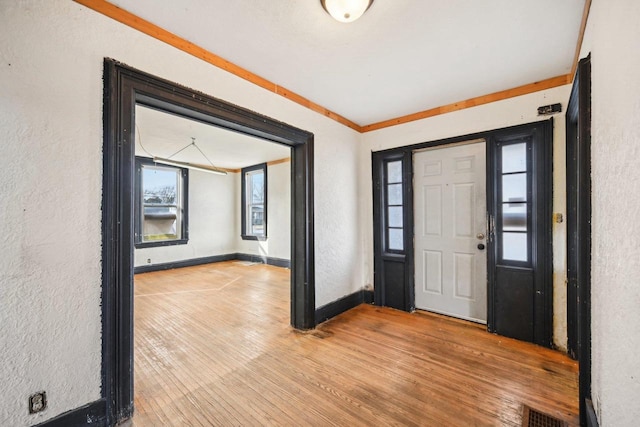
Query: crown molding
(127, 18)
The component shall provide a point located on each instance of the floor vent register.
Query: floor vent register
(533, 418)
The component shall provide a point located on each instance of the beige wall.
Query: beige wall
(215, 215)
(278, 243)
(50, 174)
(213, 206)
(613, 38)
(51, 122)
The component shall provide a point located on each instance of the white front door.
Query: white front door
(450, 223)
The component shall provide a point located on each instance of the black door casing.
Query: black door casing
(124, 87)
(579, 229)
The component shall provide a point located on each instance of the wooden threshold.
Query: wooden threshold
(213, 346)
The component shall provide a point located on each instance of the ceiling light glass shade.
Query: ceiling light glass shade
(346, 10)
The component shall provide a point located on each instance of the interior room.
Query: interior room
(215, 197)
(204, 250)
(414, 213)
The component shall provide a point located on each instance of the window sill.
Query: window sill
(160, 216)
(253, 237)
(153, 244)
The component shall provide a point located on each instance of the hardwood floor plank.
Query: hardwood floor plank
(213, 347)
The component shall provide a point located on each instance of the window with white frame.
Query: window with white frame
(254, 202)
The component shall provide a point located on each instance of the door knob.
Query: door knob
(481, 246)
(480, 236)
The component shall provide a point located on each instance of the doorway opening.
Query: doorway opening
(211, 260)
(125, 88)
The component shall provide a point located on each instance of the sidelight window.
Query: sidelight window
(394, 206)
(514, 202)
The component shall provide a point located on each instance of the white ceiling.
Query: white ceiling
(401, 57)
(159, 134)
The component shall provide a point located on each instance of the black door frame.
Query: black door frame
(538, 273)
(393, 278)
(124, 87)
(578, 120)
(405, 281)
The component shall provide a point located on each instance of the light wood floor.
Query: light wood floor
(213, 346)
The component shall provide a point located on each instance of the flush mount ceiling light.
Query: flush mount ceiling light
(346, 10)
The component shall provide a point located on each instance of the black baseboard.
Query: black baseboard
(92, 414)
(278, 262)
(592, 419)
(348, 302)
(367, 297)
(183, 263)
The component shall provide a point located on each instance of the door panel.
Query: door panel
(514, 306)
(520, 251)
(464, 222)
(432, 261)
(432, 219)
(450, 210)
(464, 276)
(394, 278)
